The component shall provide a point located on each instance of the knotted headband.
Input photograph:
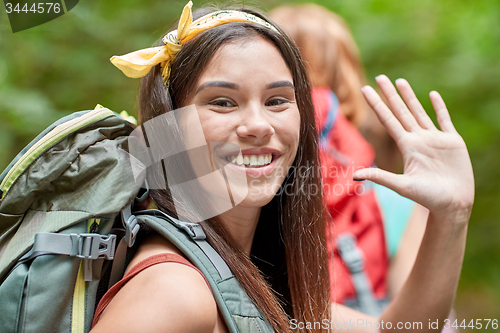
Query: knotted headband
(139, 63)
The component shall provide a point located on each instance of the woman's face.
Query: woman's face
(245, 96)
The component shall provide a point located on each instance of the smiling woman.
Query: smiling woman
(249, 87)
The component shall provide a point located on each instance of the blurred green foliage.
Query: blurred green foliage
(452, 46)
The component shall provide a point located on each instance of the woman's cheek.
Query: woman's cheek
(214, 127)
(293, 127)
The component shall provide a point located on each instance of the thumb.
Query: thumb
(388, 179)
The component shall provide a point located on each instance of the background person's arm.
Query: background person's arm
(406, 254)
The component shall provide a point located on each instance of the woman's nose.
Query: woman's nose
(254, 124)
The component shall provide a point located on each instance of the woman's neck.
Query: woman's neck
(241, 223)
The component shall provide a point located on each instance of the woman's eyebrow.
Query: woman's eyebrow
(279, 84)
(222, 84)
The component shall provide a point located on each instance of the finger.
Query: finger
(414, 105)
(398, 106)
(384, 114)
(395, 182)
(443, 116)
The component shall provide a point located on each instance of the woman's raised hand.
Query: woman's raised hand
(437, 168)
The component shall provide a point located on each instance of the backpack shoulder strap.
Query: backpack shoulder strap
(239, 312)
(352, 256)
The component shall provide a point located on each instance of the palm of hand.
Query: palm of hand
(437, 168)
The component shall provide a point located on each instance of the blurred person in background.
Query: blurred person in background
(376, 233)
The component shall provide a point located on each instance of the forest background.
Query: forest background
(452, 46)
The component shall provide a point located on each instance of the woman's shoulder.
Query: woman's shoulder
(170, 297)
(152, 245)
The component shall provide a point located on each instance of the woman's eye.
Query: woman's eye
(277, 102)
(224, 103)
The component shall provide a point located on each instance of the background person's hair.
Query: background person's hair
(330, 53)
(301, 218)
(333, 60)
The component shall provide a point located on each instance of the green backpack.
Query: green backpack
(66, 214)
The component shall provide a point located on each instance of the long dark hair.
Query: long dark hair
(301, 214)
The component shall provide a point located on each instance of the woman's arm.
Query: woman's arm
(437, 175)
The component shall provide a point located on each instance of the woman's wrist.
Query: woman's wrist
(458, 215)
(449, 222)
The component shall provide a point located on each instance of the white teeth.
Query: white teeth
(250, 160)
(239, 159)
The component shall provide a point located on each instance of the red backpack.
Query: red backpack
(357, 248)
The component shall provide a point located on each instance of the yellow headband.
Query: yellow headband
(139, 63)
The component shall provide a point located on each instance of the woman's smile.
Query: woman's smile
(253, 164)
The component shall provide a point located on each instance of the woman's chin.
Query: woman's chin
(259, 196)
(255, 201)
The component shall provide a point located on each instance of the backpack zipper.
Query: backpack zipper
(54, 136)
